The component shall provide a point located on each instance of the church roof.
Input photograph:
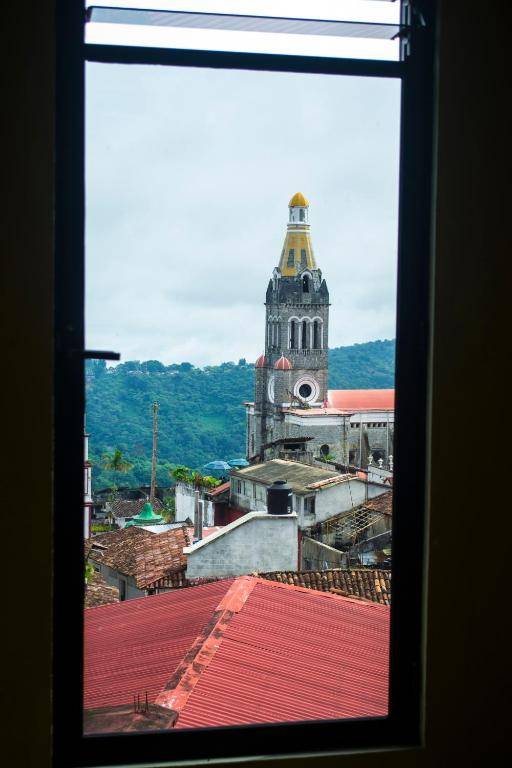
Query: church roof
(362, 399)
(260, 362)
(298, 200)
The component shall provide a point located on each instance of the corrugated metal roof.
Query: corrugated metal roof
(294, 654)
(240, 651)
(135, 646)
(362, 399)
(296, 474)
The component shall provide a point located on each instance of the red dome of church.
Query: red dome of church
(260, 362)
(283, 364)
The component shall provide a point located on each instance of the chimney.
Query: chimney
(198, 517)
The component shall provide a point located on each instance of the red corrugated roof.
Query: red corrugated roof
(362, 399)
(135, 646)
(294, 654)
(242, 651)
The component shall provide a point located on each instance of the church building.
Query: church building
(294, 412)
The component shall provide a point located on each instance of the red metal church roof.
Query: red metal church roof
(241, 651)
(362, 399)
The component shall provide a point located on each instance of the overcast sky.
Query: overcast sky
(189, 173)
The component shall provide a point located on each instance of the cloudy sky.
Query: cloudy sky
(189, 173)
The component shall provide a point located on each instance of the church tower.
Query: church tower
(292, 372)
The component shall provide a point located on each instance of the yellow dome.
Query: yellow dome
(298, 199)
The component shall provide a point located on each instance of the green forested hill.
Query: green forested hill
(201, 416)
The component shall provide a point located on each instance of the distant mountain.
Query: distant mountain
(201, 416)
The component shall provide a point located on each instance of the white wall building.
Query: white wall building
(255, 542)
(317, 493)
(185, 505)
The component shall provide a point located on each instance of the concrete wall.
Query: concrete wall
(317, 556)
(255, 542)
(115, 579)
(185, 505)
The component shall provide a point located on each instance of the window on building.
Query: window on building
(193, 74)
(316, 335)
(304, 334)
(303, 257)
(293, 334)
(305, 284)
(302, 215)
(309, 505)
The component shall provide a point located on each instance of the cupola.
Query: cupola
(283, 364)
(260, 362)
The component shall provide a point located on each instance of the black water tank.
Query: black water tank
(279, 498)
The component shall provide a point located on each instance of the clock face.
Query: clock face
(307, 388)
(270, 388)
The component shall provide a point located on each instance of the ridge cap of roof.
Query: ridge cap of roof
(178, 689)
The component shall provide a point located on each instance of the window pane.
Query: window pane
(351, 28)
(192, 180)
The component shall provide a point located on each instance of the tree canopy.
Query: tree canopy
(201, 413)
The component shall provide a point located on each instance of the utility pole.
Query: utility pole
(153, 456)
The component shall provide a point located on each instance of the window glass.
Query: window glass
(190, 177)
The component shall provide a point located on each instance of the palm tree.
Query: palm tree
(115, 462)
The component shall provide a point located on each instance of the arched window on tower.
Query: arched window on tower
(302, 215)
(304, 334)
(305, 284)
(293, 335)
(317, 343)
(276, 333)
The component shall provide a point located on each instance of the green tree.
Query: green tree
(115, 462)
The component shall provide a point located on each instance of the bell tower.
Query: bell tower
(293, 370)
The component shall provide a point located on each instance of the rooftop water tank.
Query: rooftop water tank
(279, 498)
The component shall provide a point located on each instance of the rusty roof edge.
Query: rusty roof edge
(178, 689)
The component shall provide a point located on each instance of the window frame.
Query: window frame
(402, 727)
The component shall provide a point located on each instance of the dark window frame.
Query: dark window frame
(402, 727)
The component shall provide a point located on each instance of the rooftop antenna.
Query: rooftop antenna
(153, 456)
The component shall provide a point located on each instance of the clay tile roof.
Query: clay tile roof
(382, 504)
(363, 583)
(120, 546)
(98, 592)
(131, 507)
(160, 556)
(219, 489)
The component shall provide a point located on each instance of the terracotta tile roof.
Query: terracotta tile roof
(131, 507)
(240, 651)
(219, 489)
(362, 399)
(160, 555)
(148, 557)
(98, 592)
(382, 504)
(120, 548)
(363, 583)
